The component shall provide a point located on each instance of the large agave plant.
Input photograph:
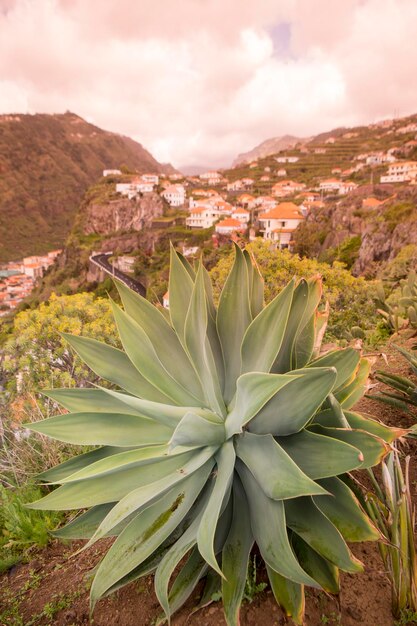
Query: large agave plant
(228, 431)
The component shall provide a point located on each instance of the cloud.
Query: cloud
(197, 81)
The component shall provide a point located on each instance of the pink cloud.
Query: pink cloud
(200, 81)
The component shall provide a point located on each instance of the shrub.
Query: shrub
(232, 431)
(36, 353)
(350, 299)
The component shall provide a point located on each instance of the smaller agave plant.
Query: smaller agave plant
(227, 430)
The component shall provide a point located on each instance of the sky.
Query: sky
(198, 81)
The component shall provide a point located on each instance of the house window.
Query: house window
(283, 224)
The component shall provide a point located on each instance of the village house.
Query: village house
(281, 172)
(287, 159)
(246, 200)
(165, 300)
(247, 182)
(309, 196)
(111, 173)
(330, 184)
(378, 158)
(334, 185)
(236, 185)
(400, 172)
(135, 186)
(346, 187)
(202, 217)
(174, 195)
(176, 176)
(150, 178)
(253, 165)
(264, 179)
(211, 178)
(279, 224)
(243, 215)
(319, 150)
(265, 202)
(230, 225)
(286, 188)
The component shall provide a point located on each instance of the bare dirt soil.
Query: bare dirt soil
(53, 587)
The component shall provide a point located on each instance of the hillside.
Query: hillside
(47, 162)
(318, 156)
(267, 147)
(366, 230)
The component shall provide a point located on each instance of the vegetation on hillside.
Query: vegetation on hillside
(47, 162)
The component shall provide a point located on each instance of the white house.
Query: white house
(165, 300)
(286, 188)
(135, 186)
(287, 159)
(230, 225)
(246, 200)
(279, 224)
(377, 158)
(281, 172)
(236, 185)
(111, 172)
(347, 186)
(211, 178)
(400, 172)
(150, 178)
(330, 184)
(202, 217)
(174, 195)
(266, 202)
(242, 215)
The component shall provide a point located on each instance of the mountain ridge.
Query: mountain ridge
(267, 147)
(47, 162)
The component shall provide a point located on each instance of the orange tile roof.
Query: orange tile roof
(371, 202)
(283, 211)
(230, 221)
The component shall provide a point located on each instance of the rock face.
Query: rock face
(122, 215)
(380, 244)
(384, 230)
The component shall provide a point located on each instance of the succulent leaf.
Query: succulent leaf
(225, 427)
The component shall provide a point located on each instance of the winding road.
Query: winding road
(102, 261)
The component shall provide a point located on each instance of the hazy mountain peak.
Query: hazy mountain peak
(267, 147)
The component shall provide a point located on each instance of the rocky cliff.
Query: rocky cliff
(122, 215)
(378, 232)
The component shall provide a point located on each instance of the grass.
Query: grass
(21, 528)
